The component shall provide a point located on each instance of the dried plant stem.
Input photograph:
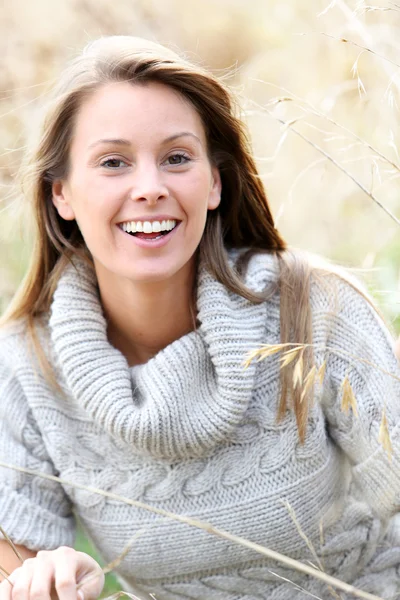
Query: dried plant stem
(117, 561)
(318, 113)
(308, 542)
(5, 574)
(271, 554)
(266, 350)
(11, 543)
(290, 124)
(363, 48)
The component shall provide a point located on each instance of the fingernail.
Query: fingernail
(81, 595)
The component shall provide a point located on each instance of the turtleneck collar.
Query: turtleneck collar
(186, 399)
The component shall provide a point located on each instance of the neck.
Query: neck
(144, 318)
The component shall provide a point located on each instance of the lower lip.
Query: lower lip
(151, 243)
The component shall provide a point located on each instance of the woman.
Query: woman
(157, 269)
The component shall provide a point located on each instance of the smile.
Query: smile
(150, 233)
(148, 226)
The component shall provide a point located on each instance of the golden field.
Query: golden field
(318, 84)
(323, 113)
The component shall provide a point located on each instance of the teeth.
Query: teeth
(148, 226)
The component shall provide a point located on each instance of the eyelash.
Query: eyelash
(180, 154)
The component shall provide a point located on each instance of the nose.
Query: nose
(148, 184)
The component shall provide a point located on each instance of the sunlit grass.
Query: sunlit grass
(301, 92)
(339, 96)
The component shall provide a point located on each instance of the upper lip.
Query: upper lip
(150, 219)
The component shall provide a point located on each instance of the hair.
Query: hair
(243, 219)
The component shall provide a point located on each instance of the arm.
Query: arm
(34, 512)
(363, 350)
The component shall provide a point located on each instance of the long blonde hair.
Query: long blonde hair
(243, 219)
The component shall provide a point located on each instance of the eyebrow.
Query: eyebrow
(123, 142)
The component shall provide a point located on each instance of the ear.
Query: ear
(214, 197)
(60, 200)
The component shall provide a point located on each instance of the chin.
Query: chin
(154, 271)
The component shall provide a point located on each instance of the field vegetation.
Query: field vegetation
(317, 82)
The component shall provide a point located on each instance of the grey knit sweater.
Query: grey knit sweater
(195, 433)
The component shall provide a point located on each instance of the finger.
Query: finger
(6, 589)
(90, 576)
(42, 577)
(65, 567)
(21, 579)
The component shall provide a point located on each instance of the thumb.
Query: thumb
(89, 578)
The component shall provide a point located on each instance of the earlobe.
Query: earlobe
(215, 192)
(60, 201)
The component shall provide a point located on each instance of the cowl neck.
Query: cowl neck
(187, 398)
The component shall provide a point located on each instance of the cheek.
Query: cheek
(93, 199)
(194, 194)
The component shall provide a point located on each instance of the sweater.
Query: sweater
(194, 432)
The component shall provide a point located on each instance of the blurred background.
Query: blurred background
(323, 113)
(317, 82)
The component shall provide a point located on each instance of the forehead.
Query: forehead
(135, 111)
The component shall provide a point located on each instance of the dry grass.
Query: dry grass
(266, 552)
(318, 83)
(294, 352)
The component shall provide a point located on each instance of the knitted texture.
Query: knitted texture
(193, 432)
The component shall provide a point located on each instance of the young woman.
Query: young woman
(156, 270)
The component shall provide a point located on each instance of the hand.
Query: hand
(63, 573)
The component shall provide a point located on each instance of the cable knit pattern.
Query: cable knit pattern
(212, 400)
(195, 433)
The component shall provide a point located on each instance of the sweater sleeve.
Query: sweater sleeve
(34, 511)
(361, 352)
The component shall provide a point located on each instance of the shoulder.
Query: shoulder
(346, 317)
(257, 269)
(17, 345)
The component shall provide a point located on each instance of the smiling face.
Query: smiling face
(138, 161)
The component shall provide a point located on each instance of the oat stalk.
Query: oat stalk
(266, 350)
(12, 545)
(348, 397)
(356, 45)
(289, 125)
(268, 553)
(314, 111)
(5, 574)
(384, 437)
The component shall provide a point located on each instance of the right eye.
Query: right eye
(112, 163)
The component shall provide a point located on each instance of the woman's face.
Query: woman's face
(140, 181)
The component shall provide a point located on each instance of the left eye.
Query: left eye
(111, 163)
(177, 159)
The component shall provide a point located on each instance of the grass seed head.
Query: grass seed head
(384, 437)
(348, 397)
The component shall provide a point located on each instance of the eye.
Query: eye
(177, 159)
(112, 163)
